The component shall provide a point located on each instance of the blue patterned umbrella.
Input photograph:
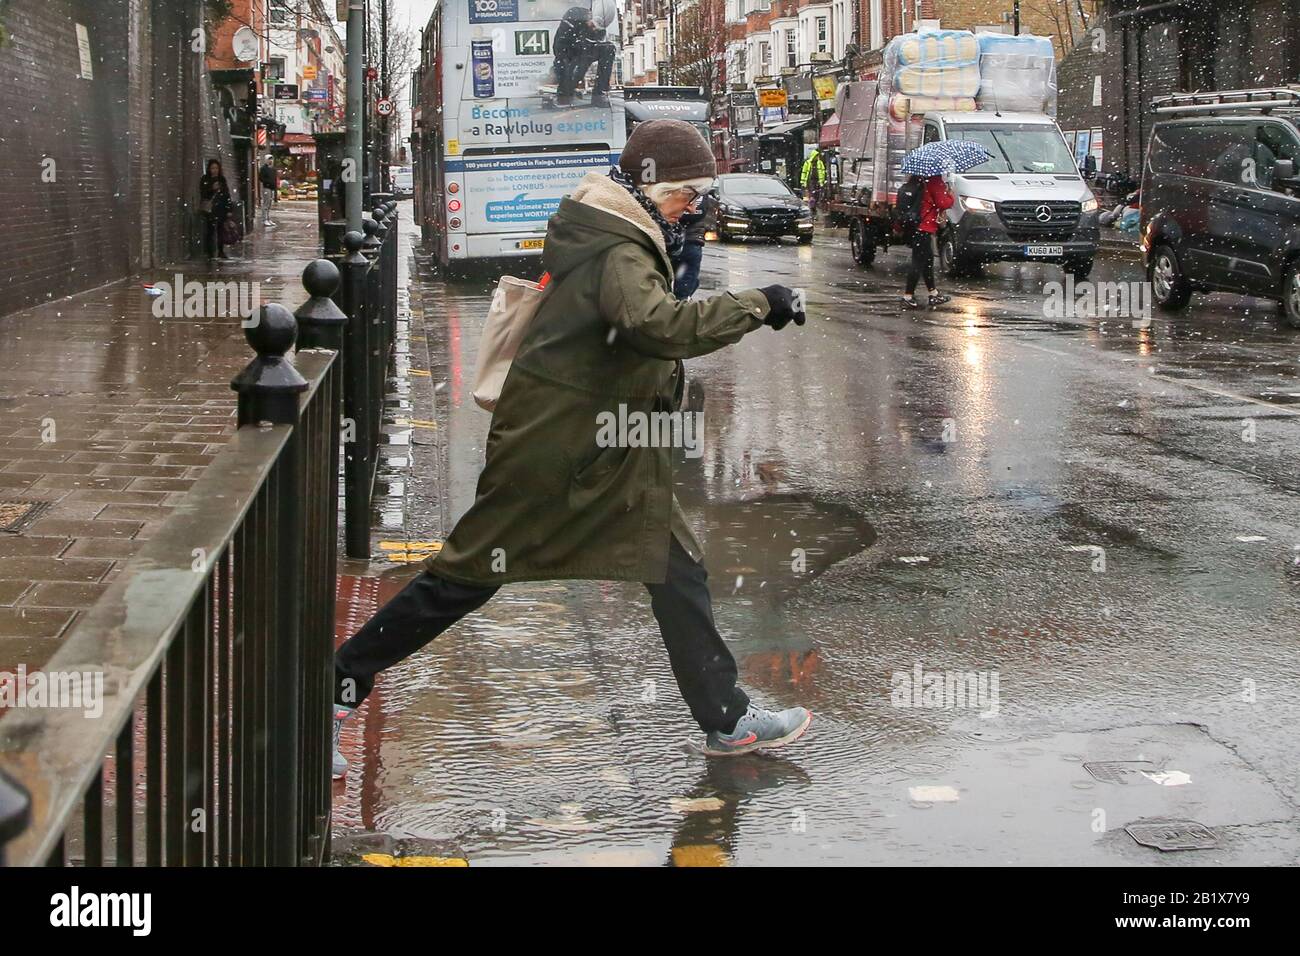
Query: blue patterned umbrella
(944, 156)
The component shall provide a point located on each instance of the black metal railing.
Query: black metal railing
(215, 647)
(368, 295)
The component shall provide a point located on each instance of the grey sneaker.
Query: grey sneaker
(759, 729)
(340, 714)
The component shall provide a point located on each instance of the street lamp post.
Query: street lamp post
(356, 85)
(384, 88)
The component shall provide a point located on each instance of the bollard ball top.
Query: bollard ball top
(370, 226)
(321, 278)
(274, 333)
(353, 241)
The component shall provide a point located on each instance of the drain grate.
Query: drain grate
(1168, 835)
(17, 515)
(1122, 772)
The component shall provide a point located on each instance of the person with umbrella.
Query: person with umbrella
(921, 201)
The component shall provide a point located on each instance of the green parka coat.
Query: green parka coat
(551, 502)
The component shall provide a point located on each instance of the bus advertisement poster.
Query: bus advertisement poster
(484, 76)
(529, 121)
(513, 192)
(493, 11)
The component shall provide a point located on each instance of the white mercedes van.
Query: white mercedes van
(1026, 204)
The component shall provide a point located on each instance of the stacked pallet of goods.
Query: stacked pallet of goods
(933, 70)
(951, 70)
(1017, 74)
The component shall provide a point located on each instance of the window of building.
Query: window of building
(280, 13)
(791, 51)
(823, 36)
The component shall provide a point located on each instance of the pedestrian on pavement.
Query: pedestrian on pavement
(270, 180)
(813, 177)
(555, 500)
(215, 204)
(698, 219)
(927, 198)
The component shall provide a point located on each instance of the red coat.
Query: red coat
(935, 198)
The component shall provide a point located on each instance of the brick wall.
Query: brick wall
(1043, 18)
(64, 234)
(127, 145)
(1076, 77)
(1190, 46)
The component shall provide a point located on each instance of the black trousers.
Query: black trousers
(922, 260)
(573, 66)
(701, 662)
(212, 243)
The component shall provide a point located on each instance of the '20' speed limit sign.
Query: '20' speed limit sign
(384, 107)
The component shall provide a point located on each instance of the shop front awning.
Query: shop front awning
(830, 133)
(787, 128)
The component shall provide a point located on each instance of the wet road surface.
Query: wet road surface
(1098, 522)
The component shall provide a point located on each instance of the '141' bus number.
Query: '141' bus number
(532, 42)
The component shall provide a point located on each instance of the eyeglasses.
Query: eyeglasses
(695, 194)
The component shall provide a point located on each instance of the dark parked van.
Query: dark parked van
(1221, 197)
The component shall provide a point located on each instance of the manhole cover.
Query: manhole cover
(1167, 835)
(16, 515)
(1122, 772)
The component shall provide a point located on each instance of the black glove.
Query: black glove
(781, 309)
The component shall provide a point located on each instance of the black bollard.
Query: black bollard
(320, 321)
(371, 246)
(269, 388)
(269, 385)
(356, 403)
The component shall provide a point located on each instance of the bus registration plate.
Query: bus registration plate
(531, 243)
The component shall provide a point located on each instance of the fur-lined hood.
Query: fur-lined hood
(598, 215)
(603, 193)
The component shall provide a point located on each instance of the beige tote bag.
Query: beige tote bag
(514, 303)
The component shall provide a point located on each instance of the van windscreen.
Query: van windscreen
(1020, 148)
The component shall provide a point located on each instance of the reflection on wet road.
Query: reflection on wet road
(1070, 507)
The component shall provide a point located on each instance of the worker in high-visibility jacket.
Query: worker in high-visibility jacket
(813, 177)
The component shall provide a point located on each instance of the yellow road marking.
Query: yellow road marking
(385, 859)
(405, 552)
(420, 371)
(699, 855)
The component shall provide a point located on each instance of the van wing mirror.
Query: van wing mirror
(1284, 173)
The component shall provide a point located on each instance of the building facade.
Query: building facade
(108, 114)
(1154, 47)
(306, 77)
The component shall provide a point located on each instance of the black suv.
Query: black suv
(1221, 200)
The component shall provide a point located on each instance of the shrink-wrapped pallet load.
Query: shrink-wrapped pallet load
(901, 107)
(1017, 74)
(948, 71)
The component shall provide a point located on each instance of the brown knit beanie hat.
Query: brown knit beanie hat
(666, 150)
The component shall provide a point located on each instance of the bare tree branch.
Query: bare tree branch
(700, 45)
